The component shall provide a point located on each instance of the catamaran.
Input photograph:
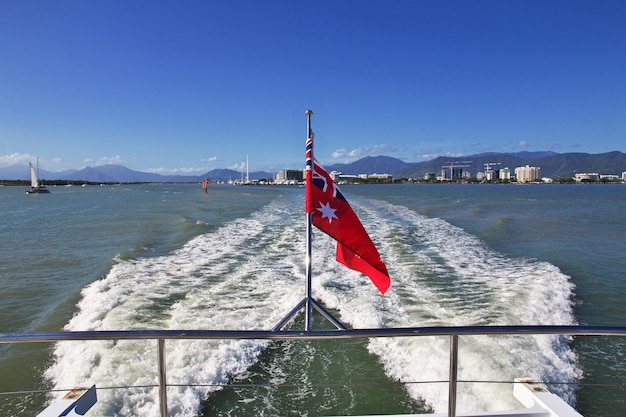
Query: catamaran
(35, 186)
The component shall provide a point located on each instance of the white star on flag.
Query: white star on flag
(327, 212)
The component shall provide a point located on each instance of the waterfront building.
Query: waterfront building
(587, 177)
(490, 175)
(287, 175)
(380, 176)
(527, 174)
(453, 173)
(505, 174)
(335, 175)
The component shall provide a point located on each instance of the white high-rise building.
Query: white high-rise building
(527, 174)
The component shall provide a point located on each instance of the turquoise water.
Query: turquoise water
(170, 256)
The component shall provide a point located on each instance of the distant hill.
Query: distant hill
(119, 173)
(21, 172)
(229, 174)
(113, 173)
(521, 155)
(370, 165)
(473, 164)
(552, 165)
(568, 164)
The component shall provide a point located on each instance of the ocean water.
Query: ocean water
(171, 257)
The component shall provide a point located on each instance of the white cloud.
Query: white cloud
(361, 152)
(209, 159)
(16, 159)
(428, 156)
(454, 154)
(523, 144)
(238, 167)
(105, 160)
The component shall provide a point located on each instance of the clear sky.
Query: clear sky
(183, 87)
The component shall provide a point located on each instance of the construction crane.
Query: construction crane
(488, 166)
(452, 166)
(489, 173)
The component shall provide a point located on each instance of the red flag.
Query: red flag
(331, 213)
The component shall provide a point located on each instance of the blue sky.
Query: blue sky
(186, 87)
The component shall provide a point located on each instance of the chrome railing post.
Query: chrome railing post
(454, 353)
(162, 378)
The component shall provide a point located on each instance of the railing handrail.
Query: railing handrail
(573, 330)
(452, 331)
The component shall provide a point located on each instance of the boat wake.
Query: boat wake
(249, 273)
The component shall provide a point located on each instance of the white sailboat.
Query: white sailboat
(243, 181)
(35, 186)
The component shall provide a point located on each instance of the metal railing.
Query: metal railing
(453, 332)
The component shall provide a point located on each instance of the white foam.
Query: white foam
(249, 273)
(443, 276)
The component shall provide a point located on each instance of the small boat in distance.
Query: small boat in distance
(35, 187)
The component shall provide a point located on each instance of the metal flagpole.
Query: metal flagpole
(308, 303)
(309, 233)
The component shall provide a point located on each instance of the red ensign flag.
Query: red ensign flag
(331, 213)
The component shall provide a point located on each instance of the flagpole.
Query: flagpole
(309, 238)
(308, 302)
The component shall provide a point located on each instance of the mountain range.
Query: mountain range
(552, 165)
